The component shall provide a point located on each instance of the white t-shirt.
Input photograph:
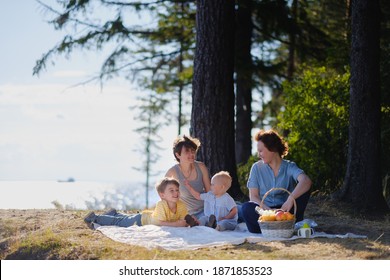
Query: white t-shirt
(218, 206)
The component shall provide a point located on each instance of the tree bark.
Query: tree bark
(293, 39)
(244, 81)
(212, 116)
(362, 184)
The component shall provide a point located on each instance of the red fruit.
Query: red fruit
(280, 216)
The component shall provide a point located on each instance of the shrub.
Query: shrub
(315, 119)
(243, 171)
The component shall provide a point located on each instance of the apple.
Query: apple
(280, 216)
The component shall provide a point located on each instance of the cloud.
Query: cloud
(44, 130)
(85, 132)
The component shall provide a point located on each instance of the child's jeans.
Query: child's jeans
(229, 224)
(120, 220)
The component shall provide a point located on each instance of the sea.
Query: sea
(76, 195)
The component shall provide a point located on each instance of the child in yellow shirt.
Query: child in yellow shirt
(169, 211)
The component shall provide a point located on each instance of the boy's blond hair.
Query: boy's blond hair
(225, 177)
(163, 183)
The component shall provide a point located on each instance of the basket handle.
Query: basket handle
(279, 189)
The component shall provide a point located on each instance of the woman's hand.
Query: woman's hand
(288, 204)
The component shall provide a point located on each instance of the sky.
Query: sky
(50, 130)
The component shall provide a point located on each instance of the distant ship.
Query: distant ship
(69, 180)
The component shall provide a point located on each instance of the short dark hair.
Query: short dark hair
(185, 141)
(272, 141)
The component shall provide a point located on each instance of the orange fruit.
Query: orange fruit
(289, 216)
(268, 218)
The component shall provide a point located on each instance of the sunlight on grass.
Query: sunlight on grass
(62, 234)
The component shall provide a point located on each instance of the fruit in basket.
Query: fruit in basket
(280, 216)
(283, 216)
(267, 215)
(268, 218)
(289, 216)
(274, 215)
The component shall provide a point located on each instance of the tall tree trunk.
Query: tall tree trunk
(362, 184)
(180, 92)
(293, 36)
(243, 81)
(212, 116)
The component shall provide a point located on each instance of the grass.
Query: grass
(62, 234)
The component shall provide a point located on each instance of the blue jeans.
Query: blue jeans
(120, 220)
(251, 217)
(228, 224)
(199, 215)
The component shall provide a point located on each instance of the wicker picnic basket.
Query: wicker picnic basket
(279, 229)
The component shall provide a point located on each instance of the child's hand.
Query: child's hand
(191, 189)
(187, 183)
(181, 223)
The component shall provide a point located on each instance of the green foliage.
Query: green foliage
(158, 52)
(289, 34)
(316, 120)
(243, 171)
(331, 18)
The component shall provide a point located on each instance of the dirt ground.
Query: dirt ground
(62, 234)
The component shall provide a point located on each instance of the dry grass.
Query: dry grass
(62, 234)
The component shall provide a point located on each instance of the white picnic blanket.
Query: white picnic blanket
(190, 238)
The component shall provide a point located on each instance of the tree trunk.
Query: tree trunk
(292, 45)
(212, 117)
(362, 184)
(243, 81)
